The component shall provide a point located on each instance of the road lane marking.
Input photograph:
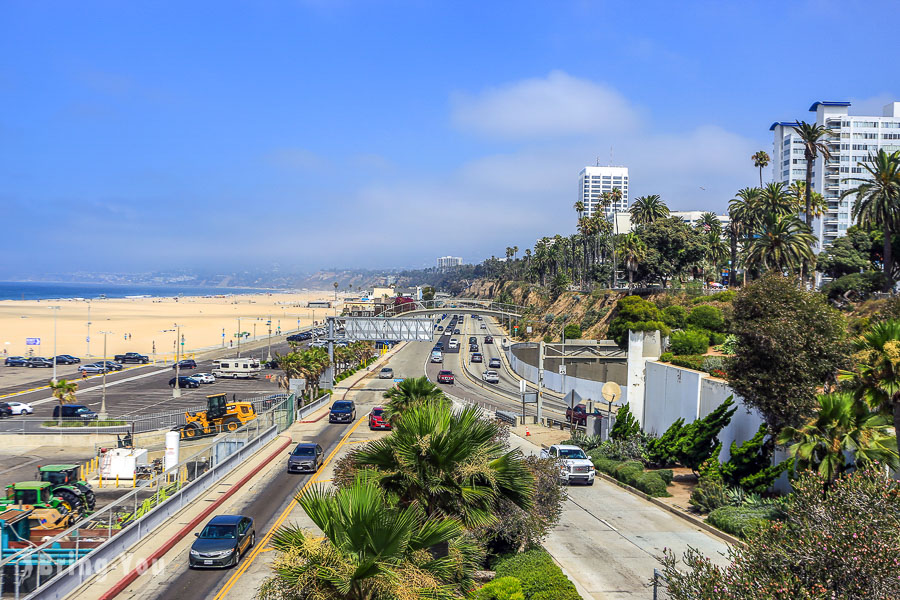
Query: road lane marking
(245, 564)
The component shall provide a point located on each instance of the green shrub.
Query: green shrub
(652, 484)
(626, 425)
(856, 286)
(540, 576)
(688, 362)
(666, 357)
(502, 588)
(628, 472)
(716, 338)
(675, 316)
(688, 342)
(666, 475)
(708, 495)
(742, 520)
(606, 465)
(711, 363)
(706, 317)
(728, 346)
(572, 331)
(634, 447)
(723, 296)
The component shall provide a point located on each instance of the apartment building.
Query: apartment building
(594, 181)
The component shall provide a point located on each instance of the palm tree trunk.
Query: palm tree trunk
(888, 265)
(808, 192)
(732, 280)
(760, 176)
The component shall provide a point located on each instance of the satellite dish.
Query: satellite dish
(611, 391)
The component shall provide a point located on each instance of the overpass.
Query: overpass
(480, 306)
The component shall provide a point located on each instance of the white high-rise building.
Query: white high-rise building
(593, 181)
(447, 262)
(853, 138)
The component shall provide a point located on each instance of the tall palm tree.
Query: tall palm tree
(783, 244)
(813, 137)
(450, 462)
(877, 204)
(313, 364)
(710, 222)
(632, 251)
(875, 377)
(797, 190)
(841, 425)
(408, 393)
(716, 250)
(647, 209)
(64, 392)
(761, 161)
(372, 550)
(291, 366)
(579, 208)
(742, 215)
(774, 199)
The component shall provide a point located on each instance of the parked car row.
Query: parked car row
(193, 381)
(40, 361)
(9, 409)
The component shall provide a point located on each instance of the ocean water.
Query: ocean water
(33, 290)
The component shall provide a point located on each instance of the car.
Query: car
(15, 361)
(67, 359)
(490, 377)
(377, 420)
(579, 414)
(494, 363)
(386, 373)
(473, 347)
(20, 408)
(342, 411)
(439, 346)
(574, 465)
(38, 361)
(454, 344)
(477, 357)
(222, 542)
(204, 377)
(488, 339)
(111, 365)
(187, 363)
(5, 410)
(184, 382)
(306, 457)
(483, 326)
(473, 339)
(74, 412)
(132, 357)
(92, 368)
(437, 356)
(456, 332)
(445, 377)
(440, 327)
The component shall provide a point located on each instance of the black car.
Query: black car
(440, 327)
(222, 543)
(488, 339)
(473, 347)
(67, 359)
(111, 365)
(342, 411)
(306, 458)
(184, 382)
(5, 410)
(186, 364)
(473, 339)
(38, 361)
(15, 361)
(74, 412)
(456, 332)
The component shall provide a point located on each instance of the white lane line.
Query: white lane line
(605, 522)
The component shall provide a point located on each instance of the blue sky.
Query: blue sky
(379, 134)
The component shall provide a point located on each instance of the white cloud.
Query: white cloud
(557, 105)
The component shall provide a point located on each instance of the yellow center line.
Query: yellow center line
(245, 564)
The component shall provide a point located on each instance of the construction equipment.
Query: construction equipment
(219, 416)
(67, 485)
(35, 494)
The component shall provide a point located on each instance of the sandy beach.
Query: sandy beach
(147, 325)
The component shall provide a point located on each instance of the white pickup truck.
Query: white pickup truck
(574, 465)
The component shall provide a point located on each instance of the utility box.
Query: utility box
(122, 462)
(593, 425)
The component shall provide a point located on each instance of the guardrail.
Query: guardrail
(660, 583)
(61, 564)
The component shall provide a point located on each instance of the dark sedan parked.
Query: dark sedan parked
(306, 458)
(184, 382)
(67, 359)
(15, 361)
(186, 364)
(38, 361)
(111, 365)
(5, 410)
(222, 542)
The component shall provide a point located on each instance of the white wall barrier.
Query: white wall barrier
(562, 384)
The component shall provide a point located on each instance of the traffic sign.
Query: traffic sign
(32, 341)
(562, 369)
(398, 380)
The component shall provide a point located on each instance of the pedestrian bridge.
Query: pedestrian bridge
(478, 306)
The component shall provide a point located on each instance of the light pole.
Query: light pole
(176, 389)
(103, 416)
(89, 329)
(239, 336)
(55, 310)
(269, 355)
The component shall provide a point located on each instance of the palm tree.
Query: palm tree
(760, 160)
(290, 364)
(450, 462)
(64, 392)
(371, 550)
(710, 222)
(841, 425)
(797, 190)
(783, 244)
(579, 208)
(631, 251)
(813, 138)
(877, 204)
(716, 249)
(408, 393)
(742, 215)
(774, 199)
(647, 209)
(313, 363)
(876, 373)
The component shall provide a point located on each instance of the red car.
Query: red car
(580, 414)
(377, 420)
(445, 377)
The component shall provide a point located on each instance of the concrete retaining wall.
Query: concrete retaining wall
(586, 388)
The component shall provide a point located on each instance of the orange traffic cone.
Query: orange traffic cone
(527, 433)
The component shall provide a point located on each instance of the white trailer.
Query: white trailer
(236, 368)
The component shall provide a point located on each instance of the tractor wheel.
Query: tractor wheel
(90, 497)
(191, 430)
(230, 424)
(70, 500)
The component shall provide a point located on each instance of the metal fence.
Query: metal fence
(61, 564)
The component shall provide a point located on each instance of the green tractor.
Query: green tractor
(66, 485)
(37, 494)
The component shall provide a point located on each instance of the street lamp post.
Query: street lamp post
(269, 356)
(89, 330)
(103, 416)
(176, 389)
(55, 310)
(239, 336)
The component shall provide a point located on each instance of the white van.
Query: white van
(437, 356)
(236, 368)
(454, 344)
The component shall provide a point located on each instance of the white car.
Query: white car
(204, 377)
(454, 344)
(483, 326)
(574, 465)
(490, 377)
(437, 357)
(20, 408)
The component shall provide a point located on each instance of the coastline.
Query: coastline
(60, 290)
